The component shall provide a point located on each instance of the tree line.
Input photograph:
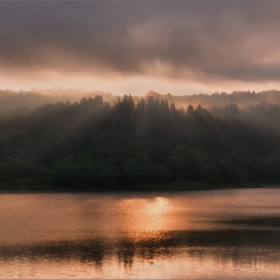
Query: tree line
(91, 145)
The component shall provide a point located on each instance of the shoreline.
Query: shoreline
(272, 186)
(180, 186)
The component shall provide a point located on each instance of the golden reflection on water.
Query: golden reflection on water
(146, 215)
(196, 235)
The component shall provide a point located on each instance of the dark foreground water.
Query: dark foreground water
(225, 234)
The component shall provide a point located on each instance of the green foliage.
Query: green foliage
(232, 173)
(156, 173)
(274, 166)
(94, 146)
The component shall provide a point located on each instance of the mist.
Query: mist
(118, 94)
(248, 102)
(106, 142)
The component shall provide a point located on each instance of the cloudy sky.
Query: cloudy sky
(181, 47)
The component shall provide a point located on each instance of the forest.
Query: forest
(138, 143)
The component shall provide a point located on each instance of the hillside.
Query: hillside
(92, 145)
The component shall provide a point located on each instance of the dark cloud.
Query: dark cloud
(192, 40)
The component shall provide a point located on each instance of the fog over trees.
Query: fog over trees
(104, 142)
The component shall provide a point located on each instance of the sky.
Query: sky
(132, 47)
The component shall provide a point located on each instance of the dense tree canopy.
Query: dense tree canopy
(92, 145)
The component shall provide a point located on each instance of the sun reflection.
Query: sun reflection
(144, 236)
(157, 206)
(146, 214)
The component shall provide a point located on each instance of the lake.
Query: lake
(221, 234)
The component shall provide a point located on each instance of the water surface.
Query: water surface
(223, 234)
